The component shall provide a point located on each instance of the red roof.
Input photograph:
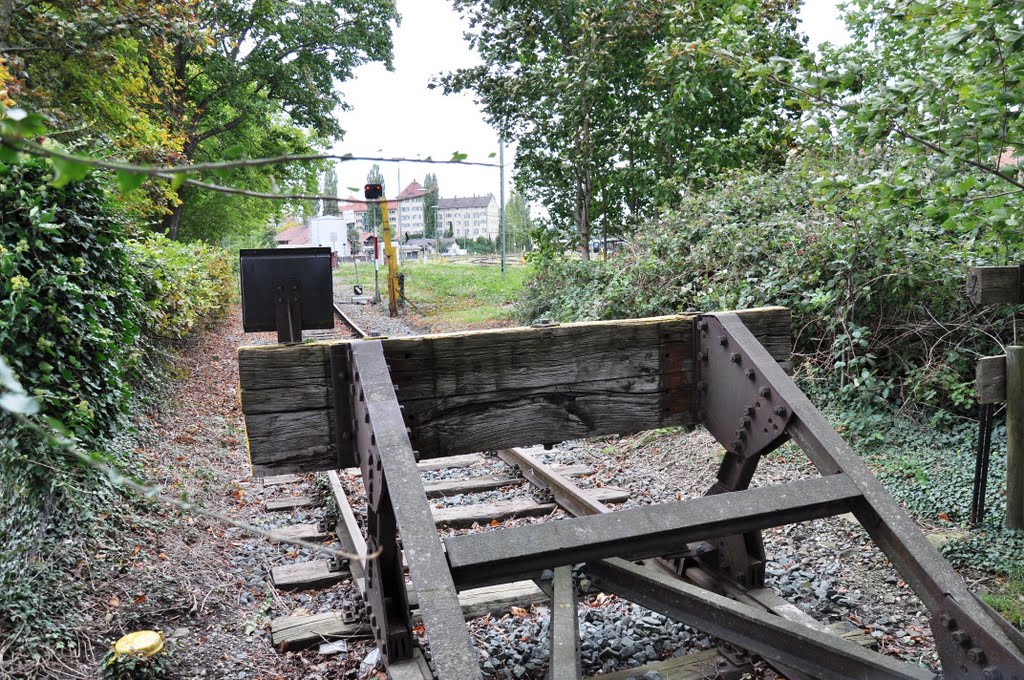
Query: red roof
(412, 191)
(293, 236)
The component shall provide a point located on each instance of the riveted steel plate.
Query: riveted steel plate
(733, 401)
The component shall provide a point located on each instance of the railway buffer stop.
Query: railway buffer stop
(286, 290)
(381, 405)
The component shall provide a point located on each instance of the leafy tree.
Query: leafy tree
(373, 217)
(940, 87)
(330, 188)
(271, 63)
(235, 220)
(518, 224)
(430, 199)
(588, 87)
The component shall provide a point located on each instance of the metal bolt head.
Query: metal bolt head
(779, 410)
(976, 655)
(960, 637)
(703, 325)
(734, 357)
(992, 673)
(748, 410)
(750, 373)
(736, 445)
(765, 392)
(742, 434)
(722, 340)
(947, 621)
(744, 421)
(703, 356)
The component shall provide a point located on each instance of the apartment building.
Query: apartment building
(470, 216)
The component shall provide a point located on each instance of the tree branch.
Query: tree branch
(896, 127)
(32, 148)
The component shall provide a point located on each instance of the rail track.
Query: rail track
(380, 416)
(530, 489)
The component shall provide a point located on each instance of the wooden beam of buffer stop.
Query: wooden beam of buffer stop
(489, 390)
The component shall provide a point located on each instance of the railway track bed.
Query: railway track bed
(496, 516)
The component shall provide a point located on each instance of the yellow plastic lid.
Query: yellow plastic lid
(144, 643)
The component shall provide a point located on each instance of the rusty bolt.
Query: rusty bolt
(947, 621)
(750, 373)
(764, 392)
(976, 655)
(722, 340)
(960, 637)
(992, 673)
(734, 357)
(744, 421)
(779, 410)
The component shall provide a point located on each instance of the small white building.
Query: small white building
(330, 231)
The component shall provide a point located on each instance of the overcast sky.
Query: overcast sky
(395, 114)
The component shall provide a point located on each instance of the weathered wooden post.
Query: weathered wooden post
(1015, 437)
(1002, 379)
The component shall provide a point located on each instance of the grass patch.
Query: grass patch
(452, 295)
(1008, 599)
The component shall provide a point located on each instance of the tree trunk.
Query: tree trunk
(6, 18)
(171, 222)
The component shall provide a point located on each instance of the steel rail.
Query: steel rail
(352, 325)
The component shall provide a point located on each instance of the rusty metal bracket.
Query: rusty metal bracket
(397, 504)
(733, 400)
(386, 598)
(342, 384)
(288, 309)
(976, 652)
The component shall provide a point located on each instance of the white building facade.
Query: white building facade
(469, 217)
(410, 209)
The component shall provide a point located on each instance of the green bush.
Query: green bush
(876, 287)
(183, 285)
(81, 309)
(69, 321)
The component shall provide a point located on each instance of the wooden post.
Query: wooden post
(1015, 437)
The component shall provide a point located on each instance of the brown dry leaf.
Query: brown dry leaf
(517, 611)
(114, 601)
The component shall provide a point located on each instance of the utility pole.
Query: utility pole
(398, 211)
(501, 192)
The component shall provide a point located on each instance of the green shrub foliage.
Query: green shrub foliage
(876, 286)
(81, 305)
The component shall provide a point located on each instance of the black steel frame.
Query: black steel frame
(751, 406)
